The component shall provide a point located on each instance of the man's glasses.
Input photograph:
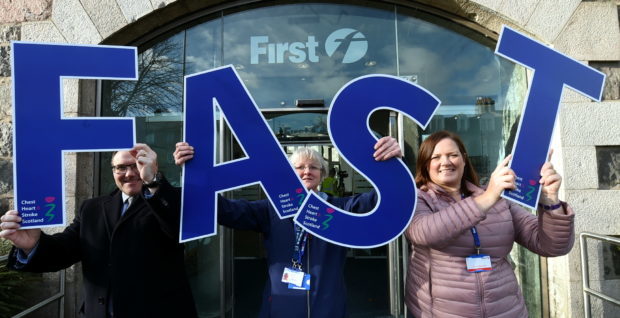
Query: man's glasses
(122, 169)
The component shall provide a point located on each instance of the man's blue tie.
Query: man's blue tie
(125, 206)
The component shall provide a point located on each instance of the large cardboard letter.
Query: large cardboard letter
(552, 72)
(348, 119)
(40, 132)
(265, 164)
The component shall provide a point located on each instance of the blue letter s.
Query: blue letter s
(353, 105)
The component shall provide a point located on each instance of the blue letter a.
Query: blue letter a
(265, 164)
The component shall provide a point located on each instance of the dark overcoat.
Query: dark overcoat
(135, 260)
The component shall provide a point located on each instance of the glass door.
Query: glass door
(367, 271)
(374, 277)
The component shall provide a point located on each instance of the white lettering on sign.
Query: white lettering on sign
(298, 52)
(350, 42)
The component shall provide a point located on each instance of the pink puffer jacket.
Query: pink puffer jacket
(438, 284)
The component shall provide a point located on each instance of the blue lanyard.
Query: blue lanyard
(474, 232)
(301, 237)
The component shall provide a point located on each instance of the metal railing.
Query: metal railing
(60, 296)
(587, 292)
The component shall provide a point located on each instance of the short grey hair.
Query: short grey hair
(305, 153)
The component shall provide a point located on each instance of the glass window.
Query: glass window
(299, 127)
(306, 52)
(608, 167)
(473, 84)
(204, 47)
(155, 100)
(159, 88)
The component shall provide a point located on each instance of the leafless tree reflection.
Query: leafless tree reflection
(159, 88)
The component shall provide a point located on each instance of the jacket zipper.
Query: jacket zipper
(308, 269)
(481, 293)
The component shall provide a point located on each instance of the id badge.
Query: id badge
(292, 276)
(305, 284)
(478, 263)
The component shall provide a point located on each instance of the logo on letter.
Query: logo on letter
(353, 42)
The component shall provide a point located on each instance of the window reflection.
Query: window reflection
(159, 88)
(307, 51)
(204, 47)
(155, 100)
(469, 79)
(299, 127)
(456, 68)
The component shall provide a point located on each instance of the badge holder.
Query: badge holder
(478, 262)
(294, 276)
(305, 285)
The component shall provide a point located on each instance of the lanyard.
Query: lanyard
(474, 232)
(301, 237)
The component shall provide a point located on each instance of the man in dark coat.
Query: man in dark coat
(132, 263)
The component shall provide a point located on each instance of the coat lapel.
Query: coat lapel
(112, 211)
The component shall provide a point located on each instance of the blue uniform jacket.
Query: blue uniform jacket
(322, 260)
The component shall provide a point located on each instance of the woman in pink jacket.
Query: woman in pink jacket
(461, 234)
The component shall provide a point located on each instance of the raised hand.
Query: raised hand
(22, 239)
(550, 182)
(502, 178)
(146, 161)
(182, 153)
(386, 148)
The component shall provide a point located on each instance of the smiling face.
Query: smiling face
(309, 171)
(128, 182)
(447, 164)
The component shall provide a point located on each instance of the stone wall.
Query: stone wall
(12, 15)
(587, 31)
(591, 35)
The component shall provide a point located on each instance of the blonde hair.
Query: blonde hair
(305, 153)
